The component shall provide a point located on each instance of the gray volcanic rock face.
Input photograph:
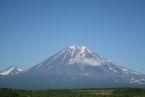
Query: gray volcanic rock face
(75, 67)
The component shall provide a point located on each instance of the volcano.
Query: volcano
(74, 67)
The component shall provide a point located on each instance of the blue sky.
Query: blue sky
(33, 30)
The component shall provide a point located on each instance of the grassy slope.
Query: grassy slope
(74, 93)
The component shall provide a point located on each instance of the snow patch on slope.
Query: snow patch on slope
(7, 71)
(11, 70)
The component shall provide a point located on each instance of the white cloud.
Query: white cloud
(84, 61)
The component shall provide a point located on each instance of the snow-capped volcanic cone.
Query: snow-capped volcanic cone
(69, 59)
(77, 67)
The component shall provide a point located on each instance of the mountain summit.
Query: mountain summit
(75, 67)
(11, 71)
(68, 58)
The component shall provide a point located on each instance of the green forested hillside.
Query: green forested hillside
(126, 92)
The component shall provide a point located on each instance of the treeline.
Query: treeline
(122, 92)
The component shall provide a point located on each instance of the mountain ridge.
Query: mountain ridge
(12, 70)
